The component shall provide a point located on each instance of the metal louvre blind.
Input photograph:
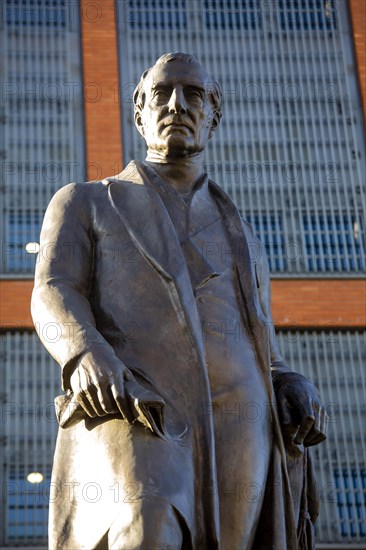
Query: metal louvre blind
(335, 362)
(30, 379)
(290, 149)
(42, 144)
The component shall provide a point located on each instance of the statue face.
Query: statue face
(177, 118)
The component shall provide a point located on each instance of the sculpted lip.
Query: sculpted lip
(176, 124)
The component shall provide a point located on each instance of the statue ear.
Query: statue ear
(138, 123)
(214, 123)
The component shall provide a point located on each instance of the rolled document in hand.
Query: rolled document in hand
(146, 405)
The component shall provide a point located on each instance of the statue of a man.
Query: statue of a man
(182, 427)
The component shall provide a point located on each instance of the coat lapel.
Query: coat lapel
(152, 231)
(243, 259)
(146, 221)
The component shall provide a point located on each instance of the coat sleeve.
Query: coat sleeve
(60, 301)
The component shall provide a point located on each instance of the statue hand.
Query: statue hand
(303, 416)
(98, 385)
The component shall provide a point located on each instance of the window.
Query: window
(232, 14)
(269, 230)
(335, 362)
(23, 227)
(156, 14)
(334, 242)
(27, 506)
(291, 142)
(29, 381)
(41, 118)
(310, 15)
(351, 501)
(36, 13)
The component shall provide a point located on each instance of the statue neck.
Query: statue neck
(180, 173)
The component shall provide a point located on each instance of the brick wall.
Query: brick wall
(296, 303)
(358, 19)
(15, 304)
(319, 303)
(100, 75)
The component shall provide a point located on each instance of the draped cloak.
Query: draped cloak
(111, 272)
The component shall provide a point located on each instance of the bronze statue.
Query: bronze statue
(182, 427)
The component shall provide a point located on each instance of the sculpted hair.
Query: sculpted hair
(214, 89)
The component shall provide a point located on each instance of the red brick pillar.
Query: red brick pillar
(101, 86)
(358, 19)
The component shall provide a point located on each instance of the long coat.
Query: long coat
(111, 274)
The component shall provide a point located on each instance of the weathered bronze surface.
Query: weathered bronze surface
(182, 427)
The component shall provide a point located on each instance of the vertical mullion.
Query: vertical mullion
(216, 154)
(265, 189)
(19, 197)
(342, 440)
(34, 121)
(325, 460)
(335, 145)
(306, 82)
(325, 73)
(160, 36)
(277, 186)
(276, 37)
(351, 139)
(66, 116)
(316, 50)
(246, 194)
(27, 400)
(231, 154)
(298, 194)
(16, 432)
(349, 401)
(186, 6)
(287, 138)
(215, 41)
(258, 191)
(9, 53)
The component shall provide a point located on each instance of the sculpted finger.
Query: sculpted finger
(90, 399)
(319, 431)
(106, 400)
(312, 438)
(287, 422)
(121, 402)
(77, 380)
(305, 426)
(84, 404)
(315, 440)
(95, 396)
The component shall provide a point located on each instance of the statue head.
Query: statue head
(177, 106)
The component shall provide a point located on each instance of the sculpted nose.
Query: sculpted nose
(177, 102)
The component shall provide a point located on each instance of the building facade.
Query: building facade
(290, 151)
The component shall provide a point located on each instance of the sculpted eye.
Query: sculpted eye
(160, 94)
(194, 94)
